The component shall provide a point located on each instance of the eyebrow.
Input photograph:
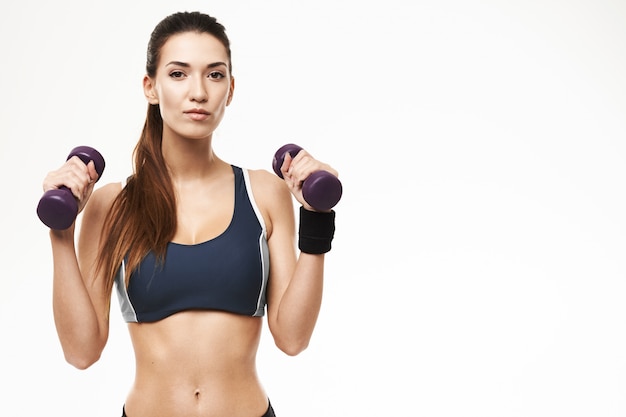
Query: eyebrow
(186, 65)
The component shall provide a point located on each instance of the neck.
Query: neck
(190, 158)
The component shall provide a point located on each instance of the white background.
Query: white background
(478, 267)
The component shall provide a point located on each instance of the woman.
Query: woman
(188, 241)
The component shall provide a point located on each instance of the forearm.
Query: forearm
(300, 304)
(74, 314)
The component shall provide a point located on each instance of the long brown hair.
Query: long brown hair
(143, 215)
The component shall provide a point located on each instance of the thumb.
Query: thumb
(93, 174)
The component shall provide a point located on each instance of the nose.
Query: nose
(198, 91)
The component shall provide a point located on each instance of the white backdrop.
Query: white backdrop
(478, 267)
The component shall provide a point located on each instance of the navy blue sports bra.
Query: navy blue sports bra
(227, 273)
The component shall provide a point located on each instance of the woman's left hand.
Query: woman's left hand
(297, 169)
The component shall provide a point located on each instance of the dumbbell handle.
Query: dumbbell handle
(321, 190)
(58, 208)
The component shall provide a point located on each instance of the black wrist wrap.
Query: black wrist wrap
(316, 231)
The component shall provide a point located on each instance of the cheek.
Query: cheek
(169, 102)
(226, 97)
(167, 96)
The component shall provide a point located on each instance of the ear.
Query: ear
(231, 90)
(149, 90)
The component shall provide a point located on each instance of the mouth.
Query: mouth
(197, 114)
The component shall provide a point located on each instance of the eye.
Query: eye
(177, 74)
(216, 75)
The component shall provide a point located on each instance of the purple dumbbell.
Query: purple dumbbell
(58, 208)
(322, 190)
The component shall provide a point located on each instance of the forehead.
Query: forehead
(193, 48)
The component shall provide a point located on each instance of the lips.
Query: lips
(197, 114)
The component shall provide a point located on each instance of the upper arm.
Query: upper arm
(276, 204)
(89, 236)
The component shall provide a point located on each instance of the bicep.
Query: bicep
(282, 263)
(276, 205)
(89, 250)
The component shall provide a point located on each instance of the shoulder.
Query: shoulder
(272, 196)
(107, 192)
(264, 181)
(102, 199)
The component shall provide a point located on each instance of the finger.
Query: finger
(75, 175)
(287, 165)
(91, 170)
(304, 167)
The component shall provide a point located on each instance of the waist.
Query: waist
(196, 341)
(196, 363)
(231, 397)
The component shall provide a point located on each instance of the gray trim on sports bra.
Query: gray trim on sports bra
(145, 309)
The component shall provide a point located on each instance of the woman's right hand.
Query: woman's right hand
(76, 176)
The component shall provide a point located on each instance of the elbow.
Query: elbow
(82, 353)
(292, 347)
(292, 338)
(82, 361)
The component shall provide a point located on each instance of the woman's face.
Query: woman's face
(192, 85)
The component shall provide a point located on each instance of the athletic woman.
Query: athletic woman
(197, 250)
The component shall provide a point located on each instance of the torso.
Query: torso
(198, 363)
